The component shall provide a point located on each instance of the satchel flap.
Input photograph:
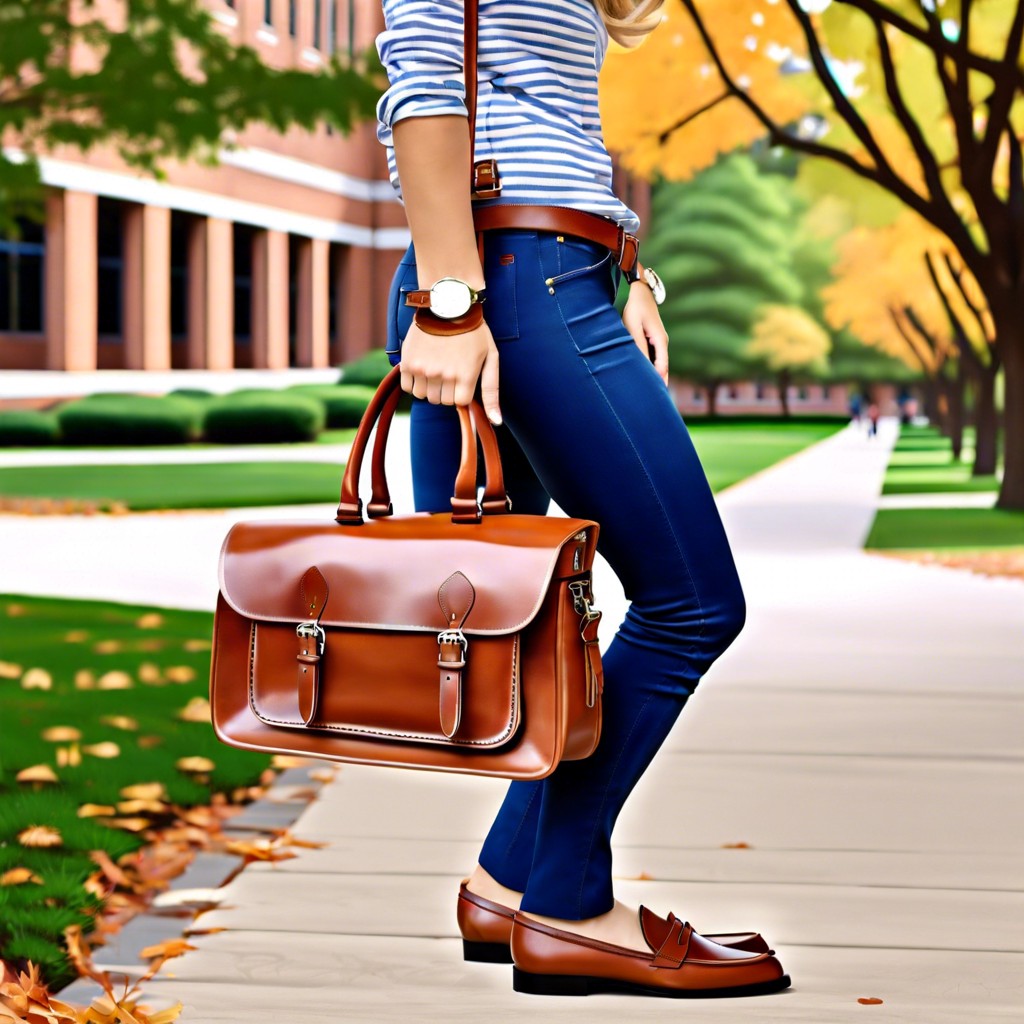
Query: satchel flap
(389, 573)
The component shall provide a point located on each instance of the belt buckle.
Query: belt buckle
(629, 251)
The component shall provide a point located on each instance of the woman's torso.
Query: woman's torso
(537, 104)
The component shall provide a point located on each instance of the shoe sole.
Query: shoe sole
(582, 985)
(486, 952)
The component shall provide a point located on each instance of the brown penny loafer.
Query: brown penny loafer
(486, 929)
(681, 963)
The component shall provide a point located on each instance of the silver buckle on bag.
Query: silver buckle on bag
(313, 629)
(581, 602)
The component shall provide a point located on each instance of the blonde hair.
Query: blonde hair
(629, 22)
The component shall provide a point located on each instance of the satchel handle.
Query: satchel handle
(465, 508)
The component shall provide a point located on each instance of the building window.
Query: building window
(826, 392)
(21, 279)
(318, 24)
(179, 273)
(109, 267)
(293, 16)
(351, 29)
(230, 3)
(801, 393)
(332, 25)
(268, 12)
(243, 240)
(759, 391)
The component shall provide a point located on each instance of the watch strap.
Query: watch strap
(431, 324)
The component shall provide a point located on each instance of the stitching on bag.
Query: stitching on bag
(387, 733)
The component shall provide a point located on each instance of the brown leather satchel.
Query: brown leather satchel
(461, 641)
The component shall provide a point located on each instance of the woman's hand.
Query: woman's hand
(643, 321)
(444, 369)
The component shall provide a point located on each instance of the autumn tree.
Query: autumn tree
(899, 288)
(160, 81)
(924, 103)
(791, 344)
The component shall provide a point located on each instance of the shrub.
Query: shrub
(129, 420)
(344, 403)
(263, 416)
(194, 393)
(24, 428)
(369, 369)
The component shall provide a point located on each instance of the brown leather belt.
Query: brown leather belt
(565, 220)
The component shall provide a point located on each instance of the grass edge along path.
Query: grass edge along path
(729, 451)
(106, 746)
(989, 541)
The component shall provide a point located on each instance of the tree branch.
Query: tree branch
(779, 136)
(975, 61)
(1007, 81)
(957, 274)
(963, 342)
(663, 136)
(929, 365)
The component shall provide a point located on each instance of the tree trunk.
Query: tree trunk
(930, 400)
(986, 423)
(1011, 333)
(955, 396)
(712, 393)
(943, 388)
(784, 379)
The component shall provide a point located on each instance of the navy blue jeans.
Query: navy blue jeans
(588, 422)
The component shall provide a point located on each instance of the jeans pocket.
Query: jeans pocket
(577, 257)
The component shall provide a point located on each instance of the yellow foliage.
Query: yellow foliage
(883, 269)
(788, 338)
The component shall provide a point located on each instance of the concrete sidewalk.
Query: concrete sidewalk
(862, 738)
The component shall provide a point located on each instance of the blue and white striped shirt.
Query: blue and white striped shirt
(537, 112)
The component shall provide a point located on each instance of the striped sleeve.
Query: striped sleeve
(421, 50)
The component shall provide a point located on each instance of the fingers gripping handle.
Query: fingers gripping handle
(380, 411)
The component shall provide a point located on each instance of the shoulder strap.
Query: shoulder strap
(484, 180)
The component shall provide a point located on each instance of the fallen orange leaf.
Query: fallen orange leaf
(169, 948)
(8, 670)
(145, 791)
(41, 836)
(115, 680)
(151, 620)
(195, 764)
(736, 846)
(106, 749)
(37, 679)
(107, 646)
(19, 876)
(76, 636)
(869, 1000)
(180, 674)
(61, 734)
(85, 680)
(96, 810)
(196, 710)
(120, 722)
(37, 773)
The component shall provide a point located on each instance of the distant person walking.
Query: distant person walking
(855, 408)
(873, 415)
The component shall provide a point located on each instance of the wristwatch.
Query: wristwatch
(650, 278)
(448, 298)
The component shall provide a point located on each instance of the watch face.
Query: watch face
(450, 297)
(656, 285)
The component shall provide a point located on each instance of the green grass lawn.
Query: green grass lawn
(729, 451)
(192, 485)
(922, 463)
(120, 676)
(946, 529)
(732, 451)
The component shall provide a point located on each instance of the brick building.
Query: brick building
(281, 256)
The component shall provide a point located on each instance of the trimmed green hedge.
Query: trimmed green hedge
(254, 416)
(368, 370)
(27, 428)
(129, 420)
(344, 403)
